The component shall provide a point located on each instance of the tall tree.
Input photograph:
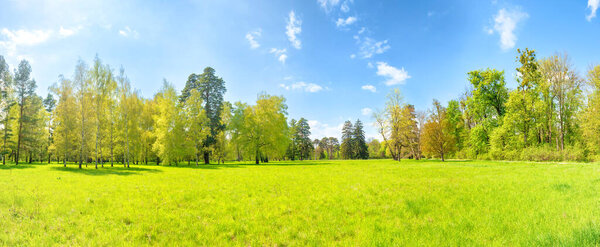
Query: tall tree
(566, 88)
(263, 132)
(437, 139)
(302, 139)
(591, 115)
(83, 93)
(212, 89)
(166, 121)
(24, 89)
(65, 117)
(197, 122)
(347, 146)
(361, 150)
(6, 102)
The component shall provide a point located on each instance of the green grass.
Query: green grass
(349, 203)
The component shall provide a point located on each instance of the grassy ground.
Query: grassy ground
(375, 202)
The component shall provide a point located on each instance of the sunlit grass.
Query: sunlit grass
(374, 202)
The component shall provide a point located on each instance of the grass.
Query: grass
(349, 203)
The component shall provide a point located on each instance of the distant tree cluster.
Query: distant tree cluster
(549, 116)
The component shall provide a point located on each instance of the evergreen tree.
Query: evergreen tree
(361, 150)
(347, 146)
(211, 89)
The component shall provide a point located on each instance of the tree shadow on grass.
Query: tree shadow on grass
(120, 171)
(15, 167)
(245, 165)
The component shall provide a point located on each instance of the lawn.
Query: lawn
(372, 202)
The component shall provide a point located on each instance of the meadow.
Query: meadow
(303, 203)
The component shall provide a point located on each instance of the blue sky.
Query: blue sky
(333, 60)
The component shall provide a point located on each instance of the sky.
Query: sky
(333, 60)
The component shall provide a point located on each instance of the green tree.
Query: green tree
(347, 146)
(24, 90)
(361, 150)
(197, 122)
(212, 89)
(6, 102)
(65, 117)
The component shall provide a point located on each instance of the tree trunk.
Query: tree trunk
(20, 129)
(206, 157)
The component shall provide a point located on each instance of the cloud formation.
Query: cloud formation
(252, 36)
(369, 88)
(293, 28)
(394, 76)
(505, 23)
(593, 6)
(303, 86)
(281, 54)
(341, 22)
(128, 32)
(369, 47)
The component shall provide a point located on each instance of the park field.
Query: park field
(303, 203)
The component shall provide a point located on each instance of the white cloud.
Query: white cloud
(593, 6)
(319, 130)
(369, 88)
(341, 22)
(362, 30)
(369, 47)
(345, 8)
(394, 75)
(328, 4)
(303, 86)
(505, 23)
(370, 65)
(293, 28)
(366, 111)
(66, 32)
(128, 32)
(251, 37)
(430, 13)
(22, 37)
(281, 54)
(352, 56)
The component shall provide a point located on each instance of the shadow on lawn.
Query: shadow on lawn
(244, 165)
(12, 166)
(120, 171)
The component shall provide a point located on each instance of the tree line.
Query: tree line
(553, 114)
(95, 117)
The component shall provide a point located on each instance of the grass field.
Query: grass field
(374, 202)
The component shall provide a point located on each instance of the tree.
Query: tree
(6, 102)
(197, 122)
(347, 146)
(263, 131)
(83, 93)
(565, 87)
(591, 115)
(484, 107)
(50, 105)
(437, 139)
(166, 123)
(212, 89)
(408, 131)
(361, 150)
(24, 89)
(65, 117)
(301, 139)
